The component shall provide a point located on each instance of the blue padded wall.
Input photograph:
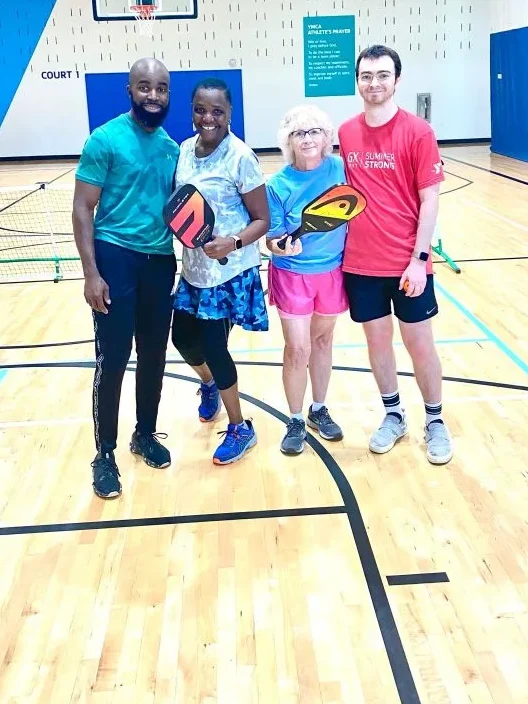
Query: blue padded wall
(107, 97)
(509, 96)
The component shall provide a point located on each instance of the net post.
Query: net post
(438, 250)
(56, 258)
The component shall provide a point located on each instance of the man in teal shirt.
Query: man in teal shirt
(127, 170)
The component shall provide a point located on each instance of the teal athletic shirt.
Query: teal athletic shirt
(135, 170)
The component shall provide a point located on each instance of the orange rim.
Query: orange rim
(146, 11)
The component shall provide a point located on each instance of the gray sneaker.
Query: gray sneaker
(322, 422)
(389, 432)
(438, 441)
(293, 442)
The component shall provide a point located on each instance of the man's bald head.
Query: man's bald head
(148, 67)
(148, 89)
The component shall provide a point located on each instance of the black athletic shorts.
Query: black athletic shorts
(372, 297)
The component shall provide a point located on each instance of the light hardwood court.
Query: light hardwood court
(276, 579)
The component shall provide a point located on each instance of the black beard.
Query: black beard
(146, 118)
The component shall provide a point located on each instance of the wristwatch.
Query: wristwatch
(237, 240)
(422, 256)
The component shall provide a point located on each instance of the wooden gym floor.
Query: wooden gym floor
(336, 576)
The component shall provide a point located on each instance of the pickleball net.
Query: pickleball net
(36, 233)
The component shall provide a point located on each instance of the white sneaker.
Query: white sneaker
(389, 432)
(439, 444)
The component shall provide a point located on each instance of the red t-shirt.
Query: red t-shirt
(389, 165)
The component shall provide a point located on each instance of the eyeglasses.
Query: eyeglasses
(313, 132)
(382, 76)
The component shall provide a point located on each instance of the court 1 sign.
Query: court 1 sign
(329, 55)
(57, 75)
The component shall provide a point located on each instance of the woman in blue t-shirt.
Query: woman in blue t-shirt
(305, 279)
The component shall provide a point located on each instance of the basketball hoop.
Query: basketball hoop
(145, 15)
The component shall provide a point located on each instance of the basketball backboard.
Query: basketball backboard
(105, 10)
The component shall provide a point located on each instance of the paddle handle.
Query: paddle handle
(223, 261)
(281, 244)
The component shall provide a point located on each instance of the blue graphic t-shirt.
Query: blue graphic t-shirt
(289, 191)
(135, 170)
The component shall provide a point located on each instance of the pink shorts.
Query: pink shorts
(301, 295)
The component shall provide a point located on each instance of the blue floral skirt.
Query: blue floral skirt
(241, 300)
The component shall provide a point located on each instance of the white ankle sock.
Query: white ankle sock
(433, 411)
(392, 403)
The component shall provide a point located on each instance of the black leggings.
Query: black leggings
(205, 341)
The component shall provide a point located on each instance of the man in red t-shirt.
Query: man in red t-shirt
(392, 157)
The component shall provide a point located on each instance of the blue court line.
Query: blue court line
(359, 345)
(491, 337)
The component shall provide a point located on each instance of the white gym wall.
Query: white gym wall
(508, 14)
(444, 46)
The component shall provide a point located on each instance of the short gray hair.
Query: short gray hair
(304, 117)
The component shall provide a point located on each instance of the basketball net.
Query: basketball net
(145, 15)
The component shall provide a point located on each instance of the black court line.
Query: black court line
(171, 520)
(46, 344)
(462, 178)
(399, 580)
(246, 363)
(338, 368)
(458, 188)
(399, 664)
(467, 183)
(489, 171)
(455, 379)
(393, 645)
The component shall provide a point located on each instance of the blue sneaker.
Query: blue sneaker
(238, 440)
(210, 404)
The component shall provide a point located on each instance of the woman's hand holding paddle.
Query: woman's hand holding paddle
(291, 250)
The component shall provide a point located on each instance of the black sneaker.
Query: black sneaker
(106, 482)
(149, 447)
(293, 442)
(322, 422)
